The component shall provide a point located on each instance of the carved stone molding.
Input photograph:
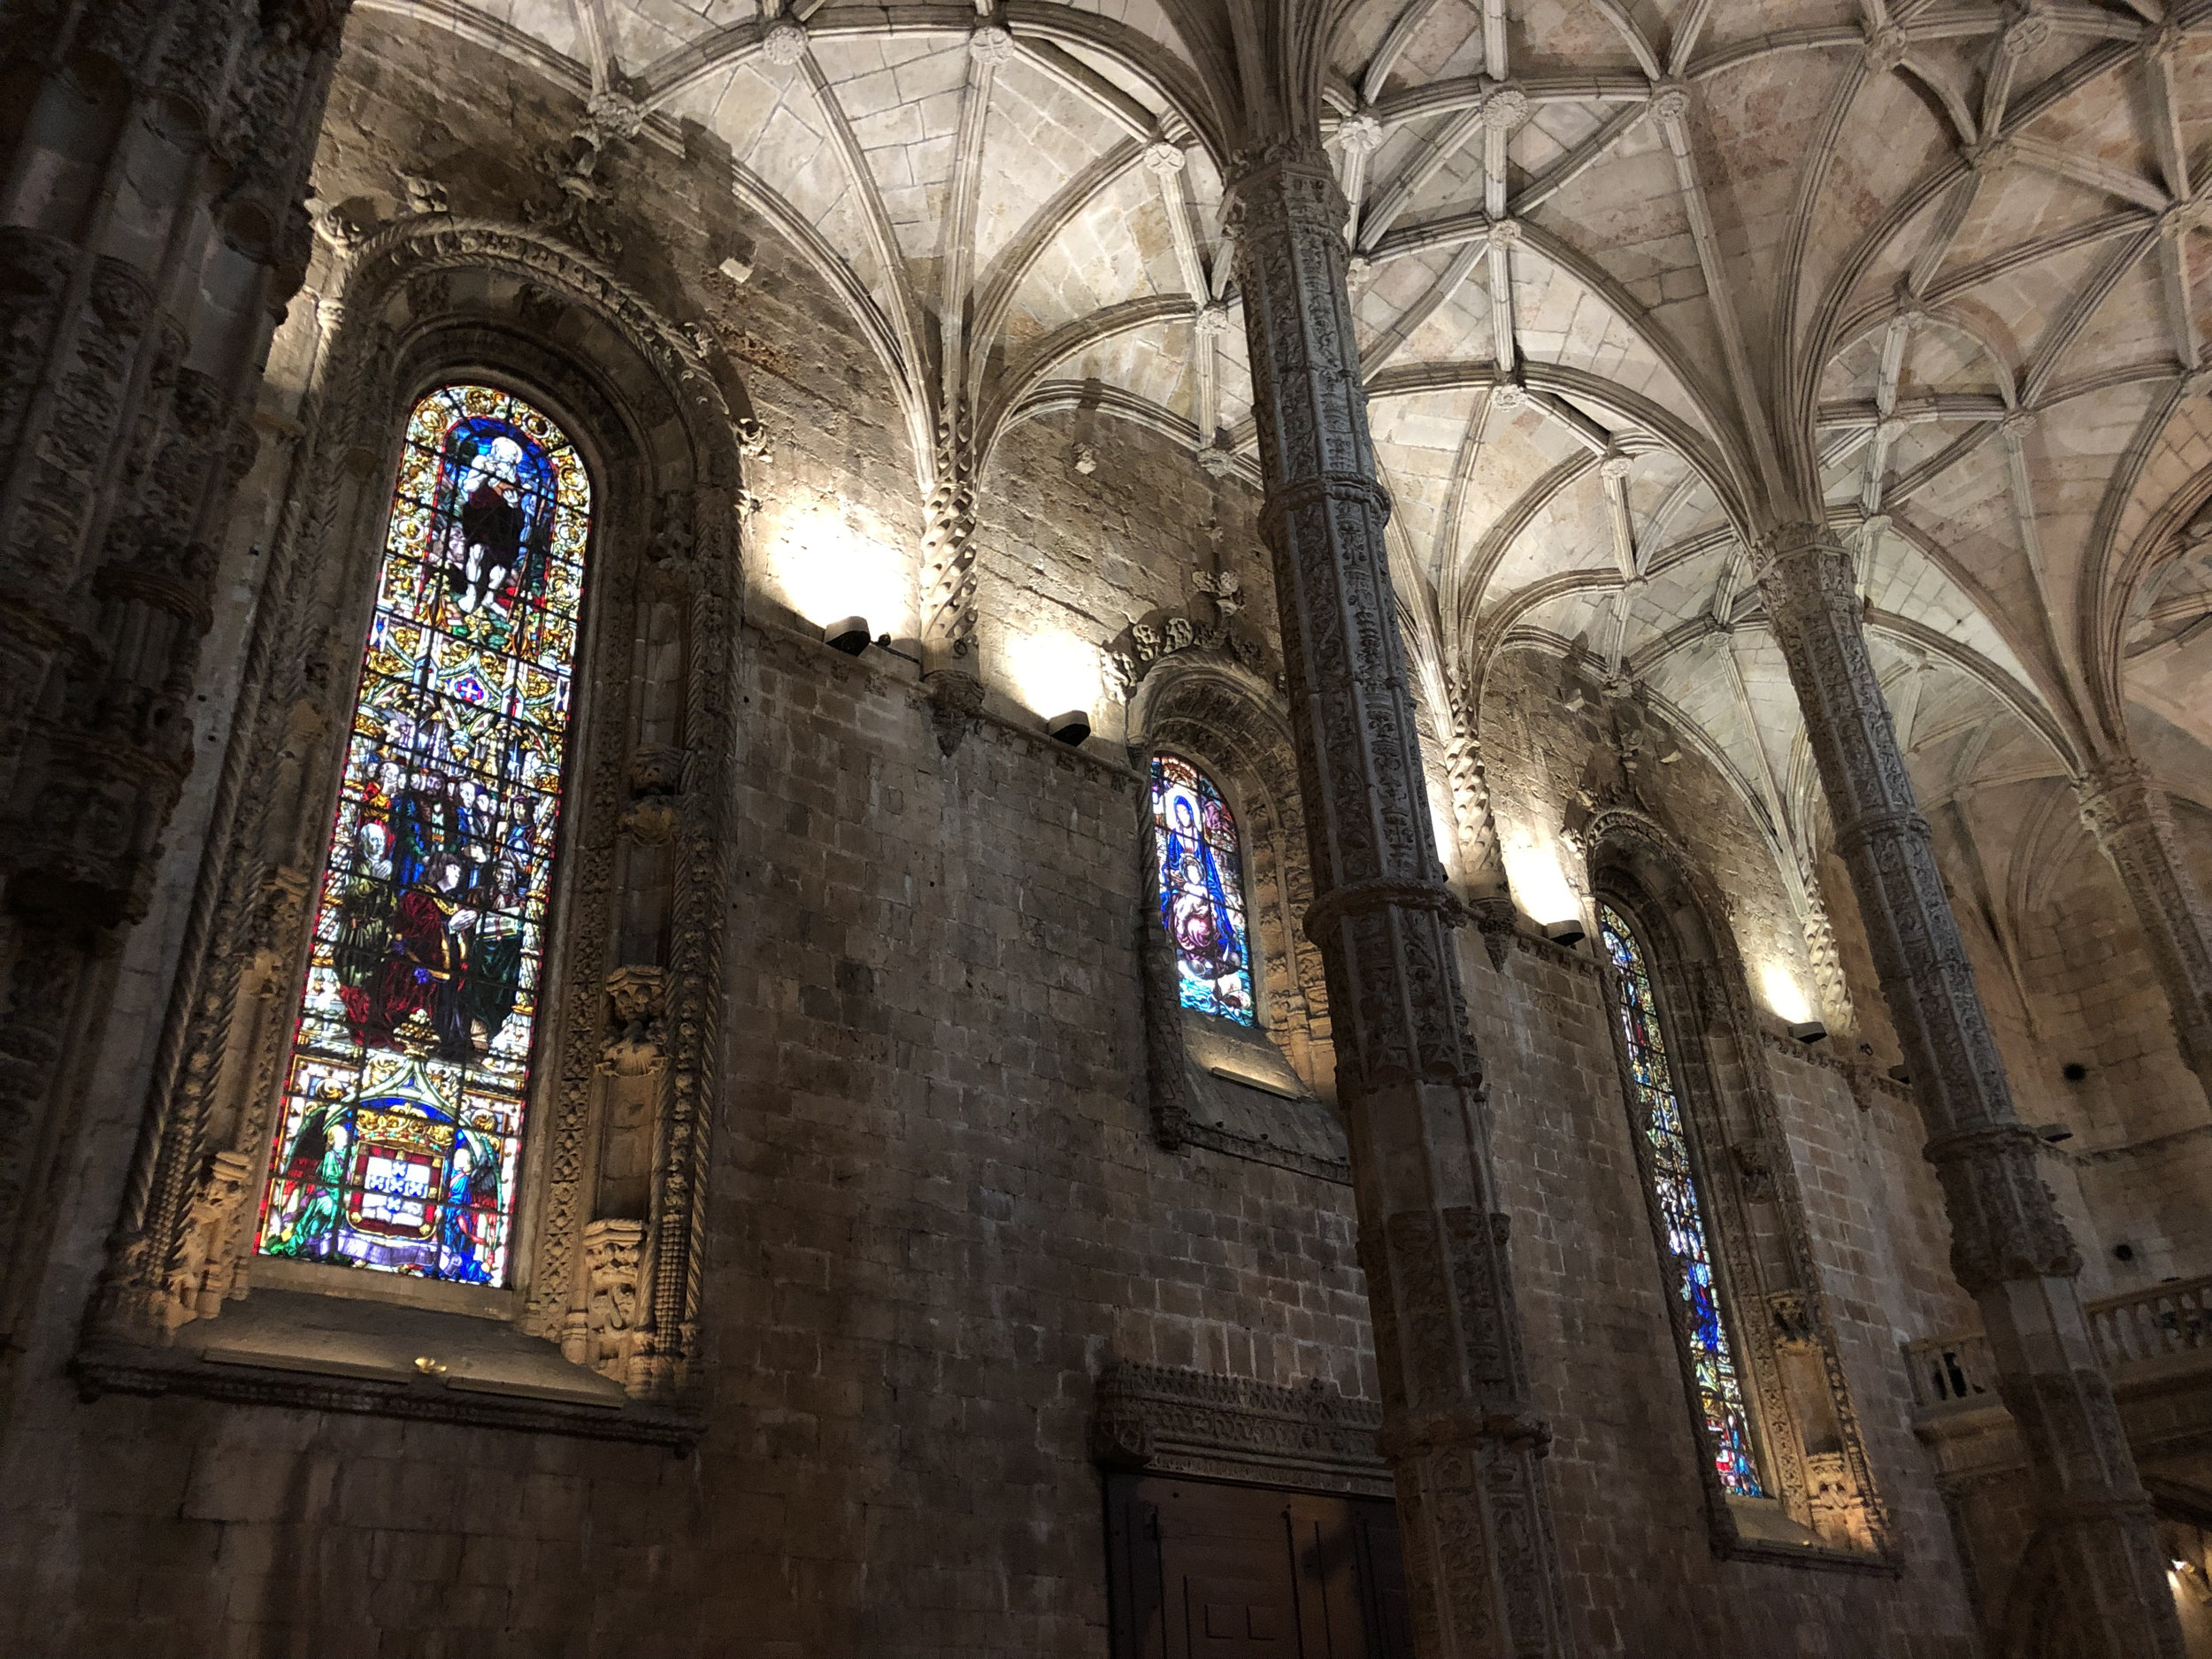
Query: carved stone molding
(1172, 1422)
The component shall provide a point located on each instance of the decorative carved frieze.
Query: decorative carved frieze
(1172, 1422)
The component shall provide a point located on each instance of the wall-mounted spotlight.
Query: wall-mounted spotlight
(2053, 1133)
(849, 635)
(1808, 1030)
(1566, 933)
(1070, 728)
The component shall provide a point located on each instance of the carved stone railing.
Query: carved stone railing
(1949, 1372)
(1953, 1373)
(2154, 1324)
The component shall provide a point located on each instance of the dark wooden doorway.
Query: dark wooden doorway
(1200, 1569)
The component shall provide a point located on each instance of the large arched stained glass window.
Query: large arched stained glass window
(1719, 1393)
(402, 1120)
(1202, 890)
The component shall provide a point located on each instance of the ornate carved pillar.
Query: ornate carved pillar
(2008, 1247)
(2134, 823)
(1460, 1432)
(151, 231)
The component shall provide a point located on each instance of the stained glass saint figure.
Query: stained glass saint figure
(410, 1067)
(1720, 1393)
(1202, 890)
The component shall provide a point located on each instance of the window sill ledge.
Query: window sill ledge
(320, 1354)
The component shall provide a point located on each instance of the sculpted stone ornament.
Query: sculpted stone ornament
(1505, 108)
(604, 1334)
(1162, 157)
(991, 45)
(2010, 1249)
(948, 548)
(784, 44)
(1361, 134)
(1886, 47)
(1459, 1430)
(424, 194)
(955, 698)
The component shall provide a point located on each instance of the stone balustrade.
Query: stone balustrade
(1955, 1373)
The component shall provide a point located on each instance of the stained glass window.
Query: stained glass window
(403, 1110)
(1202, 890)
(1719, 1393)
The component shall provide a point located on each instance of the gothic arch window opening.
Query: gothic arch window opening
(1675, 1190)
(1201, 890)
(398, 1148)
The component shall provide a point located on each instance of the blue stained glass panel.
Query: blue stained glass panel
(1202, 890)
(1720, 1393)
(402, 1126)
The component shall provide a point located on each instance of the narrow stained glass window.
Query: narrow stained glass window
(1718, 1391)
(410, 1067)
(1202, 890)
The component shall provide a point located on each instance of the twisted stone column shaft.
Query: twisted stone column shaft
(2009, 1246)
(1459, 1430)
(2132, 821)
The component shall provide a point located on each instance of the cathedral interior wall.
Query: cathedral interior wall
(938, 1206)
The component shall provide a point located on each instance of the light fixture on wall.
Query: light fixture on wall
(2053, 1133)
(1808, 1030)
(1070, 728)
(848, 635)
(1566, 933)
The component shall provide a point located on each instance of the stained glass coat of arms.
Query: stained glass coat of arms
(1720, 1393)
(401, 1123)
(1202, 890)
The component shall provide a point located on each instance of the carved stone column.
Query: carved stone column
(2008, 1247)
(2134, 823)
(151, 231)
(1460, 1432)
(1481, 854)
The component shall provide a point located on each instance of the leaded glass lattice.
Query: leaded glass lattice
(397, 1149)
(1202, 890)
(1675, 1182)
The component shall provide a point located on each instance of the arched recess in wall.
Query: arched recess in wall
(1258, 1092)
(1811, 1496)
(602, 1298)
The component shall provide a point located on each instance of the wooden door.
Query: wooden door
(1201, 1569)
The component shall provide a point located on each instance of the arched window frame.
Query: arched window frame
(1820, 1507)
(605, 1290)
(1733, 1386)
(272, 1228)
(1217, 716)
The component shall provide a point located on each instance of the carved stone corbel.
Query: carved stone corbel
(603, 1333)
(640, 998)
